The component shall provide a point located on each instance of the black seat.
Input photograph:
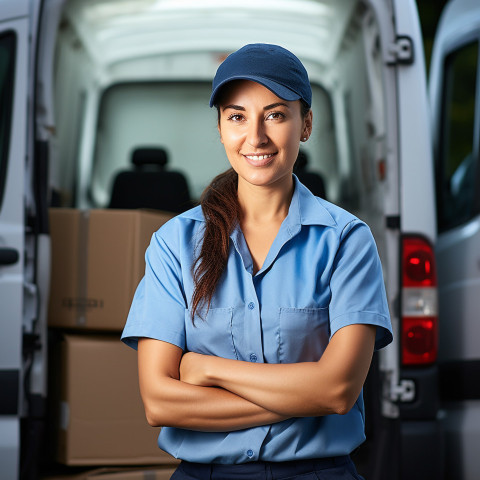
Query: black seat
(150, 185)
(312, 180)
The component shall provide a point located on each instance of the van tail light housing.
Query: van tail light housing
(419, 302)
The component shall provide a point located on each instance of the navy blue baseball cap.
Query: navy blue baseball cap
(272, 66)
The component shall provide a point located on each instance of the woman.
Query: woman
(260, 310)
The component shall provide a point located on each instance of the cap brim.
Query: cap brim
(279, 90)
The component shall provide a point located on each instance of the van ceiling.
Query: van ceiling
(114, 31)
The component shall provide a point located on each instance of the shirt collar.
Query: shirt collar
(305, 209)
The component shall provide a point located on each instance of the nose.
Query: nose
(256, 134)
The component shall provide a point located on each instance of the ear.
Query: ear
(307, 125)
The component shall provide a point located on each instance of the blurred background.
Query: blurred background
(120, 138)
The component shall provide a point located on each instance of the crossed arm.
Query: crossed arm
(202, 392)
(170, 402)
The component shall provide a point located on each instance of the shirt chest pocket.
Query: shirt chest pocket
(303, 334)
(211, 333)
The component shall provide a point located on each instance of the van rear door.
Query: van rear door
(14, 30)
(415, 312)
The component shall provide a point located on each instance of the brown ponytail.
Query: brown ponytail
(221, 211)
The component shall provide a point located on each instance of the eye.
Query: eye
(235, 117)
(276, 116)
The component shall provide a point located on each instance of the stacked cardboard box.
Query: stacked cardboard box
(101, 416)
(97, 262)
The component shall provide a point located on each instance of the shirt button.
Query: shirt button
(249, 453)
(251, 306)
(253, 357)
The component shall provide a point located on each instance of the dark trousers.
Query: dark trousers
(335, 468)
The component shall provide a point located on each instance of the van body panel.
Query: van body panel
(458, 256)
(415, 148)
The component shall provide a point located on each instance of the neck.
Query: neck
(262, 204)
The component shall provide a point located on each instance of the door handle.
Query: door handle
(8, 256)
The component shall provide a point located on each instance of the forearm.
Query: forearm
(331, 385)
(299, 389)
(177, 404)
(206, 409)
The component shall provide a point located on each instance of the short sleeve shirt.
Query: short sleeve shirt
(322, 273)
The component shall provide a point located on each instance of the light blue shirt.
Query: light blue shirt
(322, 273)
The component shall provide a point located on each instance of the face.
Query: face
(261, 133)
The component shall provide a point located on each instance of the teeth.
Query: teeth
(259, 157)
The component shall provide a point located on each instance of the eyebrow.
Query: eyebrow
(267, 107)
(275, 105)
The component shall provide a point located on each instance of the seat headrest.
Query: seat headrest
(149, 156)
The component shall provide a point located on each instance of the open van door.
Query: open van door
(14, 29)
(18, 294)
(411, 359)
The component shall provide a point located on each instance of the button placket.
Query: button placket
(252, 325)
(247, 332)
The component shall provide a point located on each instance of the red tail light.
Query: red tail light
(419, 302)
(418, 263)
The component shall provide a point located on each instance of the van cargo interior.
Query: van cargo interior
(124, 86)
(134, 74)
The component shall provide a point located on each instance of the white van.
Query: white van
(455, 98)
(84, 83)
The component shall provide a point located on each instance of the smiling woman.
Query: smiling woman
(260, 309)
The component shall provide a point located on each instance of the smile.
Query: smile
(259, 157)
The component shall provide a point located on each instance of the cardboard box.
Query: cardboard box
(146, 473)
(101, 420)
(98, 258)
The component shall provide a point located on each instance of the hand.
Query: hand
(193, 369)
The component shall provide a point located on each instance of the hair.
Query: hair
(221, 210)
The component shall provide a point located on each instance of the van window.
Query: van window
(7, 56)
(176, 117)
(172, 116)
(457, 157)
